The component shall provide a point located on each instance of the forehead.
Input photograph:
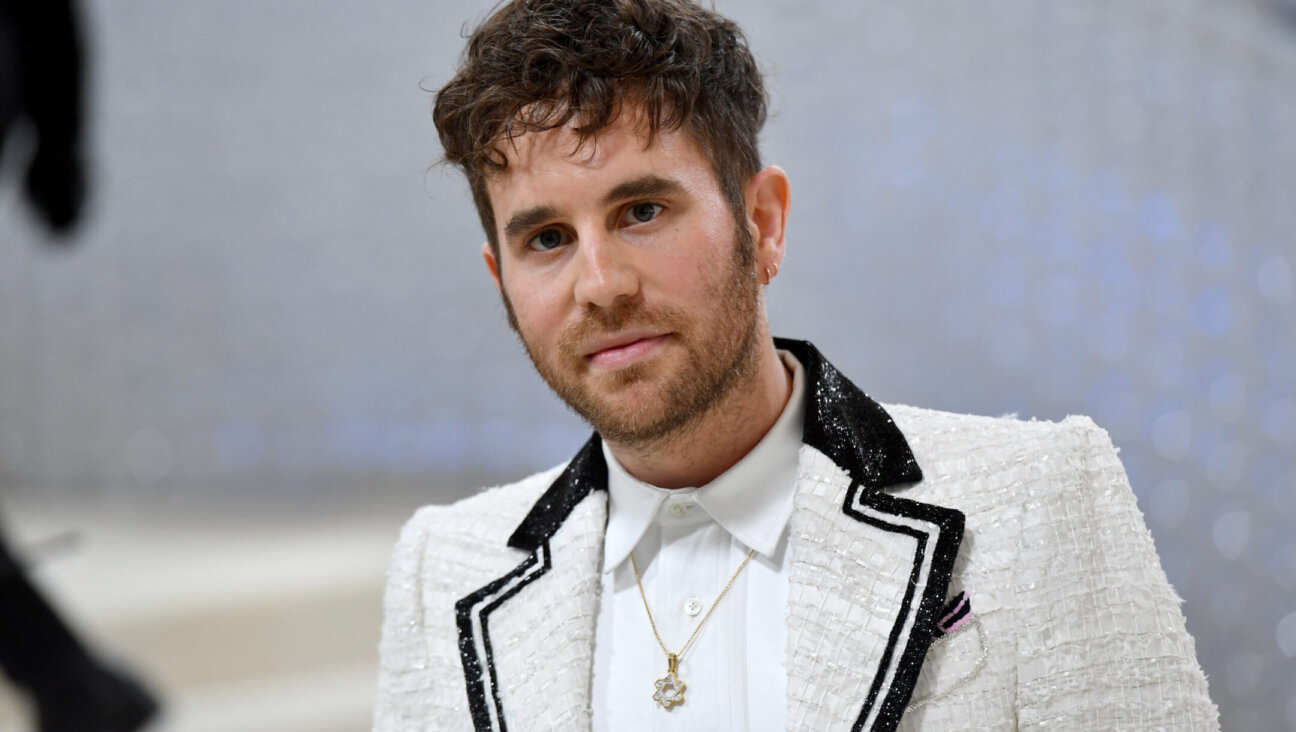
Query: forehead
(556, 164)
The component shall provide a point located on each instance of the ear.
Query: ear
(492, 265)
(769, 198)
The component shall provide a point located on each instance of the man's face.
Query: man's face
(626, 276)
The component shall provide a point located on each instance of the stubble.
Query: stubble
(719, 350)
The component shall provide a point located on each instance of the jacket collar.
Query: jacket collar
(851, 429)
(586, 473)
(853, 459)
(843, 423)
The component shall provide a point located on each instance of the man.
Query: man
(748, 541)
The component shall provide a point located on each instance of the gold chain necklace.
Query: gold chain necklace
(669, 689)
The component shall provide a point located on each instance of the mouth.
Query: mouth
(623, 349)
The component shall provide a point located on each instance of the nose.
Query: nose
(605, 273)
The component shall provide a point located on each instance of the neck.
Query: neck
(716, 441)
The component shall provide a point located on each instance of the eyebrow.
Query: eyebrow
(648, 185)
(524, 220)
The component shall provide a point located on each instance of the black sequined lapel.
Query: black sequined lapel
(585, 473)
(936, 533)
(472, 617)
(852, 430)
(858, 435)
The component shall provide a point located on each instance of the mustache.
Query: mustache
(604, 322)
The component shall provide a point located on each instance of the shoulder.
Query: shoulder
(444, 553)
(1064, 572)
(484, 519)
(1026, 487)
(979, 463)
(937, 437)
(930, 426)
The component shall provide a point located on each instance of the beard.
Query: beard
(719, 347)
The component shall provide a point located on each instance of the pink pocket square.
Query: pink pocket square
(956, 613)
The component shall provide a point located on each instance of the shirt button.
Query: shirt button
(678, 510)
(693, 607)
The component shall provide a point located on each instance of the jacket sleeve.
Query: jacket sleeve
(1103, 643)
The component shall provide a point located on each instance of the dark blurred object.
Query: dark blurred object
(41, 80)
(41, 71)
(72, 691)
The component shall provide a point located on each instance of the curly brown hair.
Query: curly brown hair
(537, 65)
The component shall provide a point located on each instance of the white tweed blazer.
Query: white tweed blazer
(949, 572)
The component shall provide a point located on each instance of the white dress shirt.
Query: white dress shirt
(688, 542)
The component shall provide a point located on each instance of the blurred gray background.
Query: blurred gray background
(275, 336)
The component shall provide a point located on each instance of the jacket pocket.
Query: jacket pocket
(952, 661)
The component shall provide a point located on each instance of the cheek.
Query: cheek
(702, 251)
(538, 310)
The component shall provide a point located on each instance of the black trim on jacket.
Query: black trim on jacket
(844, 424)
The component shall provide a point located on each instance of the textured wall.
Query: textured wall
(1007, 206)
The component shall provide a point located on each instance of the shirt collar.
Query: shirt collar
(751, 500)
